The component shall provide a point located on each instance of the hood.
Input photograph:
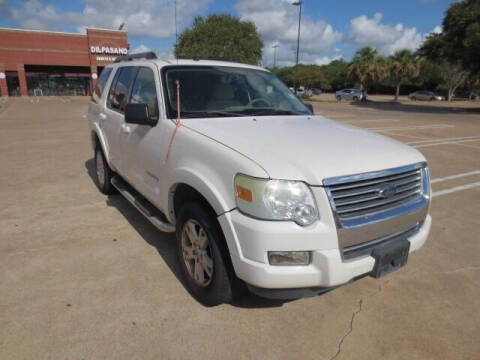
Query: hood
(306, 148)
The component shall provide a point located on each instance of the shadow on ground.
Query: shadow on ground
(165, 244)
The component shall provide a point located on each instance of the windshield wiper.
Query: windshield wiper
(206, 114)
(278, 112)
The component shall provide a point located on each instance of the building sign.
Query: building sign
(106, 58)
(108, 50)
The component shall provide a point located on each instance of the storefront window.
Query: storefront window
(53, 82)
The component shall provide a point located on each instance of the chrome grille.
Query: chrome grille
(364, 195)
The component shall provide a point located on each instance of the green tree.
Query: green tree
(459, 42)
(367, 67)
(308, 76)
(221, 37)
(335, 74)
(401, 66)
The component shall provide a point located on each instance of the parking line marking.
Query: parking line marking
(455, 189)
(405, 135)
(458, 142)
(372, 120)
(453, 177)
(420, 127)
(443, 139)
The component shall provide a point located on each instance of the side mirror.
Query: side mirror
(138, 114)
(310, 107)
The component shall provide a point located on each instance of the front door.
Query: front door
(141, 143)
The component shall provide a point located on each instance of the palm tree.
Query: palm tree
(367, 67)
(402, 65)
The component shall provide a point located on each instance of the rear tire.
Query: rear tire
(203, 256)
(103, 173)
(339, 98)
(355, 98)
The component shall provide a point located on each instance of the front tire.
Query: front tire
(339, 98)
(203, 255)
(103, 173)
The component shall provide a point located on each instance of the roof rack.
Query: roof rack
(145, 55)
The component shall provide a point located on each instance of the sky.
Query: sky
(331, 29)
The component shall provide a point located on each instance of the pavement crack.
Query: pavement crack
(350, 330)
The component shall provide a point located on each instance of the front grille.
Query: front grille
(363, 195)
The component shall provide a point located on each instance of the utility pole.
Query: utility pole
(176, 29)
(275, 47)
(299, 4)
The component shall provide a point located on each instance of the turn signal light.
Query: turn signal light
(244, 193)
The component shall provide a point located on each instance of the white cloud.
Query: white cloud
(387, 39)
(142, 18)
(437, 30)
(277, 22)
(140, 49)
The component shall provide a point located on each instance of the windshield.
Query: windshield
(221, 91)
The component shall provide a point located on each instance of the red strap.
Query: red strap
(165, 162)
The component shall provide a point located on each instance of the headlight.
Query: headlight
(276, 199)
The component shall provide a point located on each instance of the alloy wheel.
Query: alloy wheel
(100, 168)
(197, 254)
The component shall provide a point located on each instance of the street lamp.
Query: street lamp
(299, 4)
(275, 55)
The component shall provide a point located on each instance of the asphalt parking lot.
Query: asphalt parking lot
(83, 276)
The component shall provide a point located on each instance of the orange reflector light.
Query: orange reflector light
(244, 194)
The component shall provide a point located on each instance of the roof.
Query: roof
(59, 32)
(193, 62)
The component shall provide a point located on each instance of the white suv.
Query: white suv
(258, 189)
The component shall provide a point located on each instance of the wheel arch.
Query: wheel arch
(97, 139)
(189, 185)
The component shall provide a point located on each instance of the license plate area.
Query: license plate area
(390, 257)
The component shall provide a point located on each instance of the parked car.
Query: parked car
(350, 94)
(257, 190)
(466, 95)
(425, 95)
(301, 91)
(316, 91)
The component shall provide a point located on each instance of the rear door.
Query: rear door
(142, 143)
(113, 119)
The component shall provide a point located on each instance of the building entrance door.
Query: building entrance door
(13, 84)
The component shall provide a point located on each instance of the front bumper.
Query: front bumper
(249, 240)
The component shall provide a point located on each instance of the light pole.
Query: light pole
(275, 47)
(299, 4)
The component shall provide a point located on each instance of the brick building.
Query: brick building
(55, 63)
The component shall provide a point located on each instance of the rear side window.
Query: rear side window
(102, 81)
(145, 92)
(117, 98)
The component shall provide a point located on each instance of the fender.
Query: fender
(219, 202)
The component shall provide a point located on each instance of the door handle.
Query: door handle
(103, 116)
(125, 129)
